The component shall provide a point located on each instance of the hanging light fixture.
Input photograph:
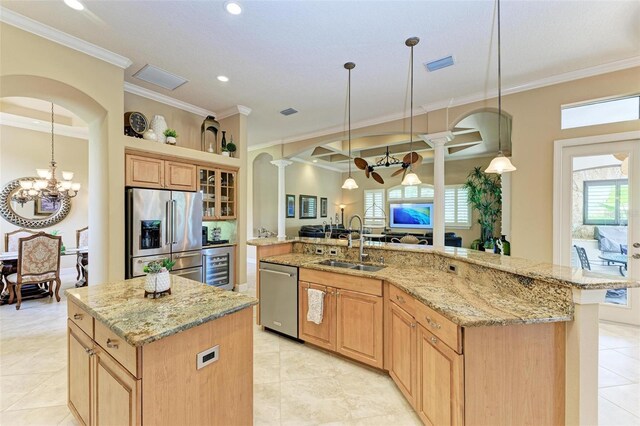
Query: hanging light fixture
(500, 164)
(46, 185)
(411, 178)
(350, 182)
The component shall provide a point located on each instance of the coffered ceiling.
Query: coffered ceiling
(281, 54)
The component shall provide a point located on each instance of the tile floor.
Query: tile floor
(293, 384)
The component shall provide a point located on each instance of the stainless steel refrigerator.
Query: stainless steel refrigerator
(164, 224)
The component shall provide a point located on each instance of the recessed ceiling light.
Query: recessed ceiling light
(233, 7)
(74, 4)
(223, 78)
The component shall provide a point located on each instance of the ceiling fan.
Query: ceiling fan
(388, 160)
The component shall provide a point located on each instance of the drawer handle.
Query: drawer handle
(399, 298)
(77, 316)
(433, 324)
(413, 325)
(434, 340)
(90, 351)
(111, 344)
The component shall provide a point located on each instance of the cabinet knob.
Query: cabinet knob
(636, 256)
(413, 325)
(636, 245)
(77, 316)
(433, 324)
(112, 344)
(399, 298)
(89, 351)
(433, 340)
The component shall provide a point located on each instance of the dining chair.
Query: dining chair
(423, 242)
(82, 240)
(624, 249)
(11, 244)
(395, 240)
(409, 239)
(582, 255)
(38, 262)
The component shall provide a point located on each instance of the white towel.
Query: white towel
(316, 305)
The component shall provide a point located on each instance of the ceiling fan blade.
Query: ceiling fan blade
(410, 158)
(377, 178)
(397, 172)
(361, 163)
(418, 161)
(366, 172)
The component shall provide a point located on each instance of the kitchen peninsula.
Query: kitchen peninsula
(185, 358)
(468, 337)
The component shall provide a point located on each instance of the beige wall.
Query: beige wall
(22, 151)
(265, 193)
(455, 173)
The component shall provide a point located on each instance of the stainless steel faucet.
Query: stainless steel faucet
(363, 256)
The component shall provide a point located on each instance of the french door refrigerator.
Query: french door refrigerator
(164, 224)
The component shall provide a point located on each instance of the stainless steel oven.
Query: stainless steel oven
(218, 267)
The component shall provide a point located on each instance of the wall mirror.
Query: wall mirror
(33, 214)
(308, 207)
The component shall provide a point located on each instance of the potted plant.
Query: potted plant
(231, 147)
(485, 196)
(158, 279)
(171, 135)
(225, 151)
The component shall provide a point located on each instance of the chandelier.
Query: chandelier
(46, 185)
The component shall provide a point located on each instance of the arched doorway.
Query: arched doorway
(265, 194)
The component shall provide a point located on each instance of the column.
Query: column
(438, 142)
(581, 363)
(281, 164)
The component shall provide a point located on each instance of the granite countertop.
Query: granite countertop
(122, 307)
(555, 274)
(259, 242)
(464, 302)
(218, 245)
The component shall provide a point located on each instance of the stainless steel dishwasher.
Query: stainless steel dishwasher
(279, 298)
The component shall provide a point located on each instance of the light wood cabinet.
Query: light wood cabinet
(79, 373)
(352, 320)
(219, 193)
(180, 176)
(144, 172)
(323, 334)
(401, 341)
(359, 326)
(440, 381)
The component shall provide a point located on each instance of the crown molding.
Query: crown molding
(266, 145)
(34, 27)
(28, 123)
(322, 166)
(167, 100)
(238, 109)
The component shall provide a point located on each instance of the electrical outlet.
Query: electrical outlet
(453, 269)
(333, 251)
(319, 250)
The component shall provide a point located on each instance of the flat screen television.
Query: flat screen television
(412, 215)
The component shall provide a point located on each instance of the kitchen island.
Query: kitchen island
(468, 337)
(184, 358)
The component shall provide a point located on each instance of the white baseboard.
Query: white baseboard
(243, 287)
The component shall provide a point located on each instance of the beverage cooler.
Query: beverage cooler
(218, 267)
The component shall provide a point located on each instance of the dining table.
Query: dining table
(616, 259)
(34, 291)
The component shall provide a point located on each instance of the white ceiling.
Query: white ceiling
(281, 54)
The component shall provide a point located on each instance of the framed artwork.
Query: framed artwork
(323, 207)
(291, 206)
(308, 207)
(45, 207)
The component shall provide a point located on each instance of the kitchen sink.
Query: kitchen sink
(347, 265)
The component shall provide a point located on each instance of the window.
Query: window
(374, 208)
(600, 112)
(457, 212)
(606, 202)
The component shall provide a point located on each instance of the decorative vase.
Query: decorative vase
(506, 246)
(223, 143)
(150, 135)
(159, 125)
(171, 140)
(157, 283)
(225, 153)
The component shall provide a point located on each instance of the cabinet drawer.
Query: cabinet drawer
(115, 346)
(80, 318)
(403, 300)
(440, 326)
(347, 282)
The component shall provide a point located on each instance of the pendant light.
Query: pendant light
(350, 182)
(411, 178)
(500, 164)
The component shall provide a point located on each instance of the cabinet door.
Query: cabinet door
(323, 334)
(228, 203)
(117, 394)
(208, 186)
(402, 351)
(143, 172)
(440, 381)
(180, 176)
(79, 373)
(359, 326)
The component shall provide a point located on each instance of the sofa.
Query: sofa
(611, 239)
(450, 238)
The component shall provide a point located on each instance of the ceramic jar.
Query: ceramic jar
(171, 140)
(150, 135)
(156, 283)
(159, 125)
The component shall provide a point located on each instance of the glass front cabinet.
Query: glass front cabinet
(219, 190)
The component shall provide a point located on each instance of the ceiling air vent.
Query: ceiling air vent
(439, 63)
(288, 111)
(159, 77)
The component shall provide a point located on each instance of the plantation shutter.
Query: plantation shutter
(606, 202)
(374, 208)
